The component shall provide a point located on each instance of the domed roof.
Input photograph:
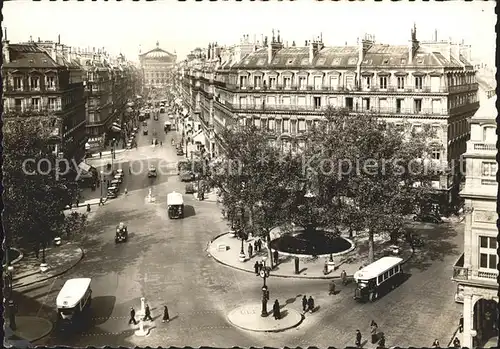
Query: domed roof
(158, 53)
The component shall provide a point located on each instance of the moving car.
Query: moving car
(144, 123)
(121, 233)
(152, 172)
(175, 205)
(73, 301)
(179, 152)
(145, 131)
(119, 177)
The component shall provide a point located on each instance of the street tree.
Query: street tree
(252, 178)
(34, 197)
(371, 173)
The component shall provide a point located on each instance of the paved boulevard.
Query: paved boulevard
(166, 262)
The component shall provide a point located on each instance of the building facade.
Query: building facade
(287, 88)
(157, 67)
(43, 80)
(476, 271)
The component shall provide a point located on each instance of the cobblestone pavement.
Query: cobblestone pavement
(166, 261)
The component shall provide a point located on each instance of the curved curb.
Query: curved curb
(349, 276)
(21, 255)
(302, 317)
(82, 254)
(44, 334)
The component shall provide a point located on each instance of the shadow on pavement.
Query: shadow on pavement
(102, 308)
(189, 211)
(438, 243)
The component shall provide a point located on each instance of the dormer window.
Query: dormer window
(305, 61)
(51, 82)
(321, 61)
(35, 83)
(336, 61)
(290, 61)
(352, 60)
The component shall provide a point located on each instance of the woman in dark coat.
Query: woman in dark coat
(373, 330)
(310, 304)
(276, 310)
(166, 317)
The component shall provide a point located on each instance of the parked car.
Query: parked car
(190, 188)
(428, 218)
(144, 123)
(187, 176)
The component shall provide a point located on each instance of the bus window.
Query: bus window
(391, 272)
(386, 275)
(380, 279)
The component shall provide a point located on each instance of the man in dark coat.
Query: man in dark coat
(147, 314)
(373, 330)
(132, 317)
(358, 339)
(166, 317)
(381, 342)
(256, 267)
(304, 303)
(250, 250)
(310, 304)
(276, 257)
(276, 310)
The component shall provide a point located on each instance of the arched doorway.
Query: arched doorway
(485, 322)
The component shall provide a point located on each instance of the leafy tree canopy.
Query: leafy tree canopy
(34, 197)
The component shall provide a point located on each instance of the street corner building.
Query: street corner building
(475, 272)
(43, 80)
(285, 87)
(111, 86)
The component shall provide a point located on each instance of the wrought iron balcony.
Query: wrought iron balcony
(32, 111)
(463, 88)
(461, 273)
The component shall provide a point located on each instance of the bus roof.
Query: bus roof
(376, 268)
(72, 291)
(174, 198)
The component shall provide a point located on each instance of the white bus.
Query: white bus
(73, 299)
(377, 278)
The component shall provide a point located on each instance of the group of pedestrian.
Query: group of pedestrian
(258, 266)
(147, 315)
(376, 338)
(307, 304)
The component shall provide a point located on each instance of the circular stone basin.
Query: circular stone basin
(313, 243)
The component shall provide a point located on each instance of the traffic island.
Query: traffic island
(248, 317)
(31, 328)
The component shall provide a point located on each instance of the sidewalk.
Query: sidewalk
(59, 259)
(247, 317)
(310, 267)
(29, 328)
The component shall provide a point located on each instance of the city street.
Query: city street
(165, 261)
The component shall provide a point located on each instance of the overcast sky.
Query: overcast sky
(182, 26)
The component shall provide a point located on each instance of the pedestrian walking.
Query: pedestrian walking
(276, 257)
(132, 317)
(166, 317)
(256, 267)
(161, 144)
(100, 155)
(461, 323)
(100, 202)
(126, 191)
(304, 303)
(381, 342)
(147, 314)
(373, 331)
(261, 266)
(343, 276)
(250, 250)
(456, 342)
(88, 207)
(129, 169)
(358, 339)
(77, 203)
(310, 304)
(332, 288)
(276, 310)
(435, 344)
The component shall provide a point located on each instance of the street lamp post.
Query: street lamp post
(8, 291)
(264, 273)
(102, 185)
